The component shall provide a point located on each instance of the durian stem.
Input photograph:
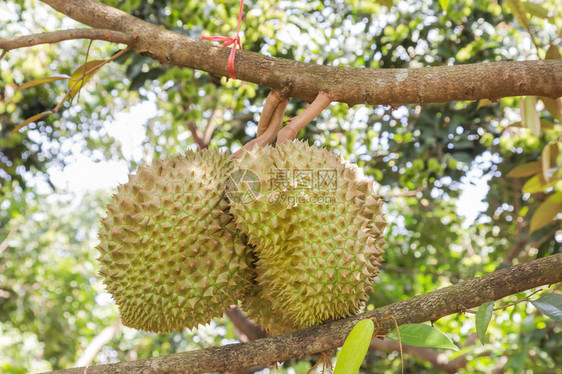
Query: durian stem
(289, 133)
(276, 121)
(427, 307)
(271, 102)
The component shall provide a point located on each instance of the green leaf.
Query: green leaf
(517, 361)
(550, 305)
(422, 336)
(386, 3)
(29, 120)
(536, 184)
(547, 211)
(529, 114)
(535, 9)
(483, 103)
(483, 318)
(518, 12)
(553, 53)
(90, 68)
(444, 4)
(525, 170)
(355, 348)
(43, 80)
(554, 106)
(546, 124)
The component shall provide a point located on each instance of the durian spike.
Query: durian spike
(289, 132)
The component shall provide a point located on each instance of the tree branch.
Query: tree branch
(250, 330)
(427, 307)
(97, 344)
(15, 42)
(197, 136)
(343, 84)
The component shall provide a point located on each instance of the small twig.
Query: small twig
(117, 55)
(210, 129)
(70, 90)
(401, 194)
(326, 363)
(196, 135)
(289, 132)
(97, 343)
(5, 243)
(399, 342)
(85, 66)
(3, 54)
(15, 42)
(526, 298)
(376, 334)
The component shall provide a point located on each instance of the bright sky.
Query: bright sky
(129, 130)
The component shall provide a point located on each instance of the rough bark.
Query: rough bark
(343, 84)
(427, 307)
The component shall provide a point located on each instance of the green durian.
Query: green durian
(169, 250)
(316, 225)
(258, 305)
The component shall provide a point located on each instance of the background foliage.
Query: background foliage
(423, 157)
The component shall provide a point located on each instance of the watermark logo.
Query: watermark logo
(303, 179)
(286, 186)
(303, 198)
(243, 186)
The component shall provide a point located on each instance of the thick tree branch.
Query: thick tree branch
(343, 84)
(8, 44)
(427, 307)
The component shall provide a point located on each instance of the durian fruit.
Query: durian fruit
(170, 253)
(258, 305)
(316, 225)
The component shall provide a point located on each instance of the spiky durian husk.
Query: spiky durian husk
(170, 254)
(318, 239)
(258, 305)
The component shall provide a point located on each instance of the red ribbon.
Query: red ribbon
(230, 41)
